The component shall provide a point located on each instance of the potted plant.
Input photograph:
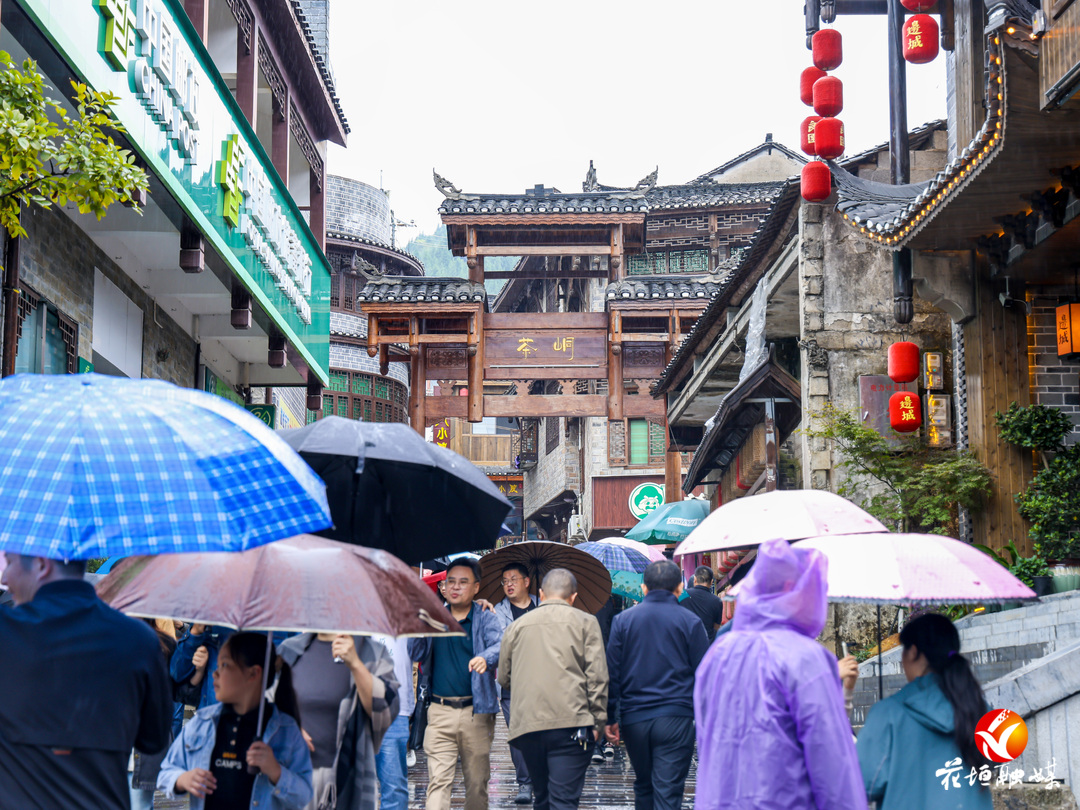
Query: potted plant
(1034, 572)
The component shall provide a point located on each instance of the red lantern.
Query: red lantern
(806, 84)
(806, 132)
(829, 137)
(827, 48)
(921, 39)
(918, 5)
(905, 412)
(903, 362)
(828, 96)
(816, 182)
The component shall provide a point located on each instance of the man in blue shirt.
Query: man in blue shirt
(464, 700)
(652, 655)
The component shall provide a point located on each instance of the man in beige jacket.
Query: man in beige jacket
(552, 661)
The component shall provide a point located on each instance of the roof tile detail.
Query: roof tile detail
(651, 288)
(410, 290)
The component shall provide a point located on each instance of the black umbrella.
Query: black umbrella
(390, 489)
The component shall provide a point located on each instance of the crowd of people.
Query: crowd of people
(88, 701)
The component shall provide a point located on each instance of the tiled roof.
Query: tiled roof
(363, 240)
(707, 194)
(312, 16)
(647, 288)
(549, 202)
(761, 147)
(407, 289)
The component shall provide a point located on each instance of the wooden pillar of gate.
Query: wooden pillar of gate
(673, 457)
(417, 378)
(475, 363)
(615, 367)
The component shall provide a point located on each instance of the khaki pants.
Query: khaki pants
(452, 733)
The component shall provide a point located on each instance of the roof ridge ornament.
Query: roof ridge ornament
(644, 185)
(591, 184)
(448, 189)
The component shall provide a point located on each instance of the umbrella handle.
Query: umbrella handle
(262, 695)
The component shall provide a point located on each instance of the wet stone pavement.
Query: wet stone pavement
(608, 786)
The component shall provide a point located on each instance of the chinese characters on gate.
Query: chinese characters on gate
(561, 344)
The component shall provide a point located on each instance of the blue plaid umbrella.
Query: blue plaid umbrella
(616, 558)
(96, 466)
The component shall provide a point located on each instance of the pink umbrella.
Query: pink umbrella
(789, 515)
(907, 569)
(654, 553)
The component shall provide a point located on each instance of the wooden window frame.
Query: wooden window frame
(617, 459)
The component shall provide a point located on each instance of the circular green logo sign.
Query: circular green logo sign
(645, 498)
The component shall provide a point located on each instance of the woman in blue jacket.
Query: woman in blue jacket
(917, 749)
(211, 758)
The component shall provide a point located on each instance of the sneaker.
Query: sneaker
(597, 755)
(524, 795)
(410, 758)
(609, 751)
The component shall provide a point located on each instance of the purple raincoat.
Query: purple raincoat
(772, 733)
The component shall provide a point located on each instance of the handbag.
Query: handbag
(418, 720)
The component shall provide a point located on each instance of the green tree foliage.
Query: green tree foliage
(48, 157)
(438, 261)
(915, 488)
(1052, 504)
(1036, 427)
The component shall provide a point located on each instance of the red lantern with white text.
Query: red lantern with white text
(903, 362)
(806, 134)
(921, 39)
(918, 5)
(827, 48)
(816, 181)
(828, 96)
(806, 84)
(905, 412)
(829, 138)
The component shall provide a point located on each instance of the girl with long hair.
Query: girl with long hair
(222, 759)
(918, 747)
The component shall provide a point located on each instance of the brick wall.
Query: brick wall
(58, 262)
(1054, 382)
(357, 209)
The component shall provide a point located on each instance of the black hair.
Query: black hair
(249, 650)
(70, 569)
(934, 636)
(740, 571)
(516, 566)
(663, 575)
(467, 562)
(704, 574)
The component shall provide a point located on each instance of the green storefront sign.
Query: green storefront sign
(645, 498)
(185, 124)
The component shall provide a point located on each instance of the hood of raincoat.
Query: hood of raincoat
(928, 705)
(786, 588)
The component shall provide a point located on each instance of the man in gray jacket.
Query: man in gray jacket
(516, 583)
(553, 659)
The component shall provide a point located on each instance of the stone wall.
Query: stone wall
(357, 209)
(847, 325)
(1054, 381)
(58, 261)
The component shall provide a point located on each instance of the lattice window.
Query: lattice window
(382, 388)
(335, 290)
(342, 407)
(617, 443)
(688, 261)
(339, 381)
(327, 404)
(312, 416)
(551, 434)
(636, 442)
(657, 441)
(361, 384)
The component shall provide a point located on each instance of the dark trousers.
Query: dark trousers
(660, 751)
(557, 765)
(520, 768)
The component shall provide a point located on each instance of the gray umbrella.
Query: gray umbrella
(388, 488)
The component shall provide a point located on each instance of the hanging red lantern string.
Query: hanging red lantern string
(921, 39)
(918, 5)
(806, 84)
(829, 138)
(806, 133)
(816, 181)
(905, 412)
(828, 97)
(903, 362)
(827, 49)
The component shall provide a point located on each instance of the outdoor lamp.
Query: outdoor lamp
(806, 133)
(1067, 327)
(921, 39)
(827, 48)
(905, 412)
(903, 362)
(816, 181)
(828, 96)
(829, 138)
(806, 84)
